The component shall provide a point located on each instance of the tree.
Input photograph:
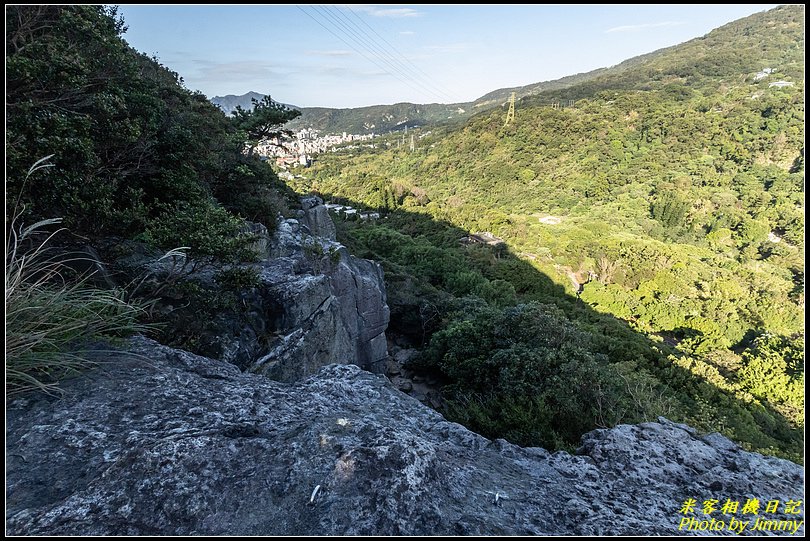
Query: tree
(774, 371)
(263, 121)
(669, 209)
(133, 150)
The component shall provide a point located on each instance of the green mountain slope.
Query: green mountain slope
(669, 196)
(710, 56)
(377, 118)
(358, 120)
(755, 42)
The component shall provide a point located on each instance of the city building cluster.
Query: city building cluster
(303, 144)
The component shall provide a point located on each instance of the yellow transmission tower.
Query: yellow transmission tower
(510, 115)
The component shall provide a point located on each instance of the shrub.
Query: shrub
(238, 278)
(207, 229)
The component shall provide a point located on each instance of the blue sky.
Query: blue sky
(356, 55)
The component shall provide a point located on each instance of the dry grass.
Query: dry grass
(56, 322)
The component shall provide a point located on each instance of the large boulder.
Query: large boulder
(312, 330)
(316, 218)
(359, 287)
(157, 441)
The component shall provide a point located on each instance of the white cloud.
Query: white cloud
(343, 73)
(334, 52)
(396, 13)
(245, 69)
(448, 48)
(390, 12)
(644, 26)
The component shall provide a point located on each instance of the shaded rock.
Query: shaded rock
(332, 304)
(260, 246)
(316, 218)
(310, 201)
(392, 368)
(162, 442)
(434, 399)
(402, 384)
(359, 286)
(315, 303)
(404, 355)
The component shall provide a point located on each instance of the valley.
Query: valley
(674, 204)
(573, 307)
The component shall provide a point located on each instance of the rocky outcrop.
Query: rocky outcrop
(161, 442)
(316, 218)
(261, 243)
(331, 305)
(314, 303)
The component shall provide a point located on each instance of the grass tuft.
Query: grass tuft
(56, 322)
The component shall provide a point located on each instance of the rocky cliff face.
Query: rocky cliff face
(331, 306)
(314, 304)
(159, 441)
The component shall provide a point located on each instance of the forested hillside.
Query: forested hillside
(126, 158)
(659, 221)
(359, 120)
(378, 118)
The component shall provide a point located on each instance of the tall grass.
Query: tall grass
(56, 322)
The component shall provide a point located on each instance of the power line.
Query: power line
(370, 48)
(397, 73)
(354, 48)
(415, 68)
(407, 64)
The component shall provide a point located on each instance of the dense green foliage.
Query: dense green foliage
(263, 120)
(670, 196)
(130, 143)
(135, 155)
(528, 374)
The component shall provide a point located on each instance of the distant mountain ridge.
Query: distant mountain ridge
(229, 103)
(370, 119)
(386, 118)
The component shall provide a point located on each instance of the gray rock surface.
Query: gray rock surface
(261, 244)
(316, 218)
(315, 303)
(332, 305)
(159, 442)
(311, 328)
